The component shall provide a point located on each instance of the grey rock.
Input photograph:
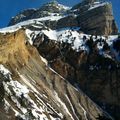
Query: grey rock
(101, 83)
(22, 16)
(98, 21)
(69, 21)
(45, 10)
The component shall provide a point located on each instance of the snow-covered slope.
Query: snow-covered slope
(72, 36)
(32, 89)
(77, 41)
(29, 22)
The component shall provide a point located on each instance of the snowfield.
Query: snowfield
(97, 4)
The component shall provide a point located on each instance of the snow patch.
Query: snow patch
(31, 35)
(44, 60)
(19, 92)
(52, 34)
(27, 82)
(85, 113)
(62, 105)
(71, 106)
(97, 4)
(4, 70)
(29, 22)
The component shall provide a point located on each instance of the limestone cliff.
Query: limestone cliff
(93, 17)
(97, 19)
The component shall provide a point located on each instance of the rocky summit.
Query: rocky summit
(92, 16)
(61, 63)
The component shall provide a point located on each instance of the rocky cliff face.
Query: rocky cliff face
(52, 8)
(98, 20)
(94, 74)
(92, 17)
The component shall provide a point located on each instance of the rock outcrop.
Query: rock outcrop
(22, 16)
(91, 16)
(97, 19)
(52, 8)
(68, 21)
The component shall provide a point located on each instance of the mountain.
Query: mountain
(51, 68)
(52, 8)
(92, 17)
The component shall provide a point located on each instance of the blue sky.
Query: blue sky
(9, 8)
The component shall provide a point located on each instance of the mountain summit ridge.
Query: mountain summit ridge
(94, 17)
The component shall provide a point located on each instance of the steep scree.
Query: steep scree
(33, 90)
